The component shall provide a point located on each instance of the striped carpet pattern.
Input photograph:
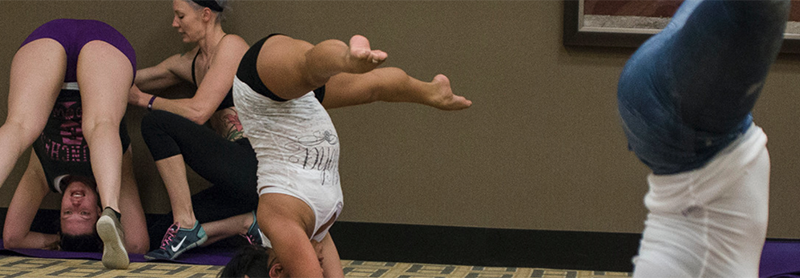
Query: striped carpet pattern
(16, 266)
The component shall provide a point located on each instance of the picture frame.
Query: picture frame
(638, 24)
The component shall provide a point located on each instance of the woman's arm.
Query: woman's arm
(295, 252)
(28, 196)
(137, 240)
(168, 73)
(285, 220)
(329, 255)
(163, 75)
(213, 87)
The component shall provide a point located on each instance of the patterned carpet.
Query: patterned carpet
(14, 266)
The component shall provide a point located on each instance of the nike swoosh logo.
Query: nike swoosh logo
(175, 248)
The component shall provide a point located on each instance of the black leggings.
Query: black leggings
(229, 166)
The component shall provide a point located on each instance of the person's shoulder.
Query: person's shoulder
(233, 46)
(233, 40)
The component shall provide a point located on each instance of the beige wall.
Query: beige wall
(540, 149)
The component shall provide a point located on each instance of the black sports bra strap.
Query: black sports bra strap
(194, 79)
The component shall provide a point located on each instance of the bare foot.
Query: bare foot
(444, 98)
(364, 59)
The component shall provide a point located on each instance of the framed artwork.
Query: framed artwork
(628, 23)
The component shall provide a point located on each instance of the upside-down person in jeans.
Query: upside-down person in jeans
(685, 98)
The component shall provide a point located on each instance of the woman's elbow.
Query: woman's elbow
(198, 115)
(198, 118)
(11, 241)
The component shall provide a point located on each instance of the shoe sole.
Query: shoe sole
(114, 254)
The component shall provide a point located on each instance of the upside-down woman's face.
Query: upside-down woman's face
(79, 209)
(187, 21)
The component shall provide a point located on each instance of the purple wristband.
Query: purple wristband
(150, 104)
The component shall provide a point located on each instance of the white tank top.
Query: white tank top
(297, 148)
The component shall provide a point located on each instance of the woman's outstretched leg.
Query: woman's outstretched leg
(37, 74)
(292, 67)
(105, 75)
(391, 85)
(354, 79)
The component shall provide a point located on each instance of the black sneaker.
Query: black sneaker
(253, 234)
(110, 231)
(177, 240)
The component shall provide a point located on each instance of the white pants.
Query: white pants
(709, 222)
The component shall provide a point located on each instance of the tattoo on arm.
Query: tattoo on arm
(235, 129)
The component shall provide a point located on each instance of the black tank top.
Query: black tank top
(61, 148)
(227, 101)
(248, 73)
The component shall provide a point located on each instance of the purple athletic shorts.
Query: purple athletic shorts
(73, 34)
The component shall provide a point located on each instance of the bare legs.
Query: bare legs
(104, 75)
(37, 74)
(348, 73)
(346, 86)
(391, 85)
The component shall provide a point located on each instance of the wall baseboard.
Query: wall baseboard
(486, 247)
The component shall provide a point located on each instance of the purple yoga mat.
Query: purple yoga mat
(200, 255)
(780, 259)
